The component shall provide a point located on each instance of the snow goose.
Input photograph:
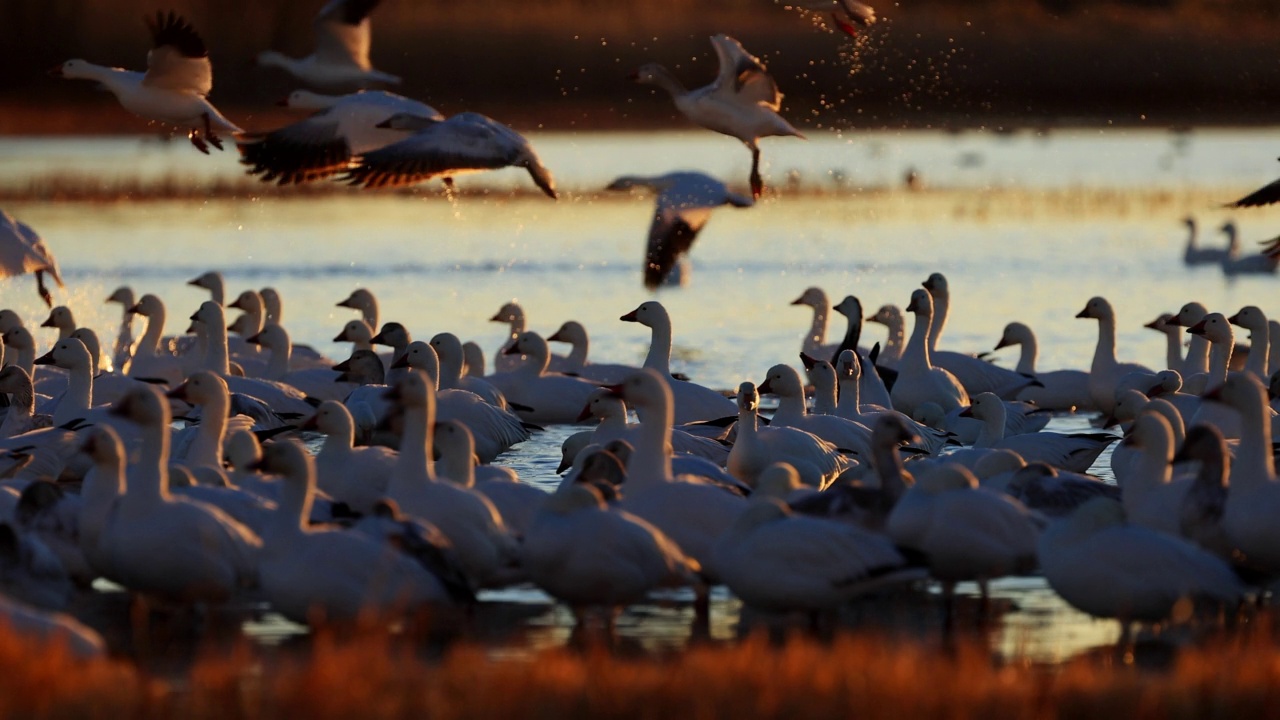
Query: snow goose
(1151, 498)
(1254, 320)
(357, 332)
(890, 316)
(61, 319)
(1196, 255)
(576, 362)
(850, 406)
(682, 206)
(586, 554)
(122, 350)
(1062, 389)
(815, 343)
(209, 392)
(776, 560)
(365, 303)
(611, 411)
(466, 142)
(150, 359)
(1109, 568)
(858, 389)
(212, 281)
(173, 90)
(1254, 264)
(1172, 332)
(341, 57)
(974, 373)
(742, 102)
(1075, 453)
(161, 545)
(1215, 328)
(1105, 371)
(282, 398)
(485, 547)
(848, 15)
(965, 532)
(73, 356)
(494, 429)
(357, 476)
(516, 502)
(822, 376)
(1206, 500)
(310, 574)
(1196, 361)
(473, 359)
(395, 336)
(918, 380)
(452, 361)
(513, 315)
(22, 416)
(549, 397)
(693, 402)
(1254, 498)
(23, 251)
(1042, 488)
(756, 448)
(784, 381)
(324, 144)
(692, 513)
(320, 383)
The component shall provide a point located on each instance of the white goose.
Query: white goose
(449, 354)
(1129, 404)
(22, 416)
(693, 514)
(587, 554)
(1253, 319)
(918, 380)
(743, 101)
(1196, 362)
(516, 502)
(1196, 255)
(576, 362)
(324, 144)
(464, 143)
(23, 251)
(150, 358)
(365, 303)
(815, 342)
(777, 560)
(61, 319)
(611, 411)
(341, 57)
(1062, 389)
(166, 546)
(212, 281)
(693, 402)
(513, 315)
(122, 350)
(211, 322)
(1253, 264)
(1254, 497)
(851, 407)
(974, 373)
(890, 316)
(756, 448)
(485, 547)
(1108, 568)
(203, 447)
(357, 476)
(173, 90)
(320, 383)
(1105, 371)
(549, 397)
(1151, 497)
(784, 381)
(311, 574)
(1165, 325)
(1215, 328)
(71, 355)
(682, 207)
(1075, 452)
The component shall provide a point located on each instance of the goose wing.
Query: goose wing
(742, 75)
(342, 33)
(307, 150)
(467, 141)
(178, 59)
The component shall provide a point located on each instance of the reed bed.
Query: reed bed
(866, 676)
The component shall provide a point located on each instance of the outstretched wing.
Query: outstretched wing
(671, 235)
(178, 59)
(467, 141)
(743, 75)
(342, 33)
(307, 150)
(1266, 195)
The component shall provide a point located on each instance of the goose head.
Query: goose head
(814, 297)
(748, 397)
(1167, 381)
(1204, 443)
(122, 295)
(362, 300)
(936, 284)
(1189, 314)
(783, 381)
(892, 430)
(946, 477)
(60, 317)
(570, 332)
(364, 367)
(510, 313)
(249, 301)
(921, 304)
(454, 442)
(272, 305)
(531, 344)
(290, 460)
(355, 331)
(148, 306)
(986, 407)
(929, 413)
(211, 281)
(573, 498)
(473, 358)
(74, 69)
(9, 320)
(646, 390)
(1151, 431)
(1129, 403)
(603, 404)
(850, 307)
(821, 372)
(648, 313)
(211, 314)
(419, 356)
(201, 388)
(331, 418)
(997, 462)
(70, 354)
(1214, 328)
(413, 391)
(392, 334)
(18, 338)
(244, 326)
(1015, 333)
(778, 481)
(1250, 318)
(648, 74)
(887, 315)
(272, 337)
(1097, 308)
(103, 446)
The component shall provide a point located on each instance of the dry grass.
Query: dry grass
(863, 676)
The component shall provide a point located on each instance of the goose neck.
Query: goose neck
(659, 357)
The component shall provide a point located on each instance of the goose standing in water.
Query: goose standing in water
(173, 90)
(1253, 264)
(1062, 389)
(1105, 371)
(693, 402)
(891, 317)
(743, 102)
(919, 381)
(341, 58)
(1253, 319)
(122, 350)
(1195, 255)
(576, 363)
(682, 207)
(323, 144)
(815, 342)
(23, 251)
(466, 142)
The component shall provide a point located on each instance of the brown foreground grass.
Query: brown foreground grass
(862, 676)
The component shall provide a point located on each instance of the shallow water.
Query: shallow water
(1026, 228)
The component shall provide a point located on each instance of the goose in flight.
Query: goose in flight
(173, 90)
(743, 101)
(23, 251)
(682, 207)
(466, 142)
(341, 58)
(1268, 194)
(324, 143)
(847, 15)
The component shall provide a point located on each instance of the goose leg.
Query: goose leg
(757, 184)
(201, 145)
(44, 291)
(213, 139)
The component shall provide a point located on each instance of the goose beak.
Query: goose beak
(1083, 313)
(1197, 329)
(342, 336)
(1004, 343)
(585, 415)
(497, 317)
(630, 317)
(809, 362)
(378, 339)
(764, 387)
(555, 337)
(236, 304)
(254, 339)
(512, 350)
(345, 303)
(310, 423)
(967, 412)
(798, 301)
(343, 366)
(136, 309)
(45, 359)
(912, 306)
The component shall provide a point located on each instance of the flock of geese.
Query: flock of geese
(182, 475)
(1229, 257)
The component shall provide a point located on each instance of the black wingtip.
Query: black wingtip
(172, 30)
